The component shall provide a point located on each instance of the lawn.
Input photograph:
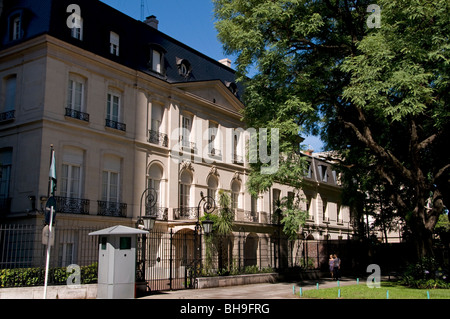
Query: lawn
(391, 290)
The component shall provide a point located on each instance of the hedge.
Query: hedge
(26, 277)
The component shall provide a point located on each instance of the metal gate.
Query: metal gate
(170, 259)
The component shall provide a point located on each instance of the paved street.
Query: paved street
(281, 290)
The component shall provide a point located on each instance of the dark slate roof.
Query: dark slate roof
(99, 19)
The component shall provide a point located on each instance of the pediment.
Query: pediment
(214, 92)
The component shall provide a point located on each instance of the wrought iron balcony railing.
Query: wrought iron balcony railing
(161, 213)
(7, 116)
(70, 205)
(116, 125)
(158, 138)
(112, 209)
(189, 213)
(77, 114)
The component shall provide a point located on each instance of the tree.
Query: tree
(379, 96)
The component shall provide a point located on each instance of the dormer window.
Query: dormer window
(114, 43)
(184, 67)
(77, 30)
(232, 87)
(15, 25)
(156, 62)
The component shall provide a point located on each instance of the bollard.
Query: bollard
(387, 294)
(339, 293)
(338, 283)
(301, 292)
(428, 294)
(357, 281)
(317, 286)
(293, 289)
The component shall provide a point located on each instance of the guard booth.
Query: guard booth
(117, 262)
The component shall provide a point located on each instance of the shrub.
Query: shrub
(425, 274)
(26, 277)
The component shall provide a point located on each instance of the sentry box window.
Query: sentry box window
(103, 241)
(125, 242)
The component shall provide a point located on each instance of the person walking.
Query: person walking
(336, 267)
(331, 266)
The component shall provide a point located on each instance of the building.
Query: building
(127, 108)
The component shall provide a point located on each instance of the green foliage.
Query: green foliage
(427, 273)
(380, 97)
(26, 277)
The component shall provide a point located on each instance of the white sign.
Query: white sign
(45, 236)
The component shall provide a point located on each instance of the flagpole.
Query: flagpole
(51, 191)
(48, 251)
(49, 178)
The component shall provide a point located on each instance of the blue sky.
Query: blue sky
(190, 22)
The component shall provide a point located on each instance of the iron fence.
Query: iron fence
(21, 247)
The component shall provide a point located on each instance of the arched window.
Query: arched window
(155, 174)
(235, 189)
(213, 183)
(185, 188)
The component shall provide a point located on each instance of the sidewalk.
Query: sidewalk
(280, 290)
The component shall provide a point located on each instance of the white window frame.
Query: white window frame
(77, 33)
(68, 179)
(108, 187)
(113, 101)
(114, 43)
(74, 94)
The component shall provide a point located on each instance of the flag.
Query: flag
(52, 174)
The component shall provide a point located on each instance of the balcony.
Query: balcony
(7, 116)
(214, 152)
(77, 115)
(115, 125)
(158, 138)
(185, 213)
(111, 209)
(161, 213)
(70, 205)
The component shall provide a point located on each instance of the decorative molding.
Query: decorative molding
(187, 165)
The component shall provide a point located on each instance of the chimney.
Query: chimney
(309, 151)
(226, 62)
(152, 21)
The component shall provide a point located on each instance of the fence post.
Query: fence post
(170, 258)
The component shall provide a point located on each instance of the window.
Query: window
(157, 112)
(308, 207)
(185, 189)
(155, 175)
(16, 28)
(8, 106)
(71, 181)
(15, 25)
(71, 174)
(77, 30)
(235, 189)
(184, 67)
(75, 93)
(5, 175)
(213, 131)
(65, 254)
(114, 43)
(213, 183)
(186, 126)
(110, 186)
(323, 173)
(324, 209)
(156, 58)
(112, 107)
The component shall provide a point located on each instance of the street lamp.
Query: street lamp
(147, 222)
(209, 206)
